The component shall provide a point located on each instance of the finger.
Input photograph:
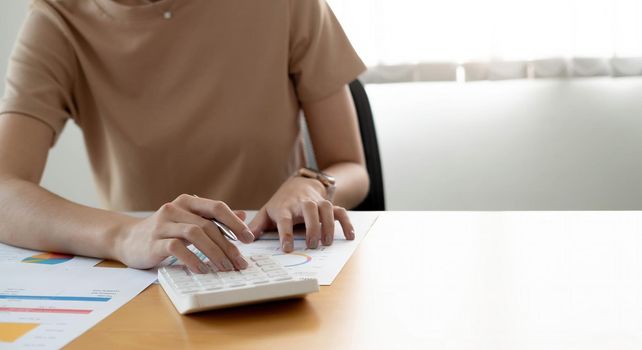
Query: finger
(176, 248)
(326, 214)
(214, 250)
(341, 215)
(284, 226)
(260, 223)
(312, 225)
(211, 209)
(229, 250)
(241, 214)
(205, 236)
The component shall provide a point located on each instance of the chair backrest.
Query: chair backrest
(374, 201)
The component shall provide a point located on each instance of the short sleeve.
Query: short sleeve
(41, 71)
(321, 58)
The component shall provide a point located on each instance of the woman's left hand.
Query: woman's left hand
(301, 200)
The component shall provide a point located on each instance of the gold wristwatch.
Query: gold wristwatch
(326, 180)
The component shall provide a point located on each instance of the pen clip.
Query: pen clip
(222, 227)
(225, 230)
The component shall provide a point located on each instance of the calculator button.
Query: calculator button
(177, 273)
(212, 283)
(232, 278)
(277, 273)
(185, 283)
(186, 290)
(236, 284)
(180, 279)
(212, 286)
(249, 270)
(206, 277)
(254, 276)
(188, 285)
(283, 278)
(228, 274)
(269, 268)
(212, 280)
(259, 257)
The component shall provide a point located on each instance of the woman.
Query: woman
(174, 98)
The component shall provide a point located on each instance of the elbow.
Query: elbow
(364, 186)
(359, 188)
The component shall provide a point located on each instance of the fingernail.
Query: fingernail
(287, 246)
(249, 236)
(203, 268)
(212, 266)
(327, 240)
(314, 244)
(227, 265)
(352, 234)
(240, 262)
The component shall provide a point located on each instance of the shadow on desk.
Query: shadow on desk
(247, 323)
(280, 314)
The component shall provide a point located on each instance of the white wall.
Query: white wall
(528, 145)
(67, 172)
(511, 145)
(11, 16)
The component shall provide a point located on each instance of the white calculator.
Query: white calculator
(263, 280)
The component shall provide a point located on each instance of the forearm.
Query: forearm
(32, 217)
(352, 183)
(334, 131)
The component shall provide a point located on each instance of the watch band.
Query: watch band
(326, 180)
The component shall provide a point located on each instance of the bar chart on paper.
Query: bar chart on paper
(10, 332)
(45, 307)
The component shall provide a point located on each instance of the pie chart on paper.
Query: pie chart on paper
(48, 258)
(292, 259)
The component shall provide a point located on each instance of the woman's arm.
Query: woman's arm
(35, 218)
(334, 132)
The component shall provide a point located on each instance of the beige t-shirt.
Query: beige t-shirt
(205, 103)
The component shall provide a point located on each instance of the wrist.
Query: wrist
(117, 237)
(315, 185)
(325, 183)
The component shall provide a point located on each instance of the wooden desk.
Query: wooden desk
(442, 280)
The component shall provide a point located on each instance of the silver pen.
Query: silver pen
(224, 229)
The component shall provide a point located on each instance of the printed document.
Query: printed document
(18, 255)
(46, 307)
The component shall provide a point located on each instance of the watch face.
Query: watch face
(329, 178)
(325, 179)
(307, 172)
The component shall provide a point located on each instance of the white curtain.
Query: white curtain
(404, 40)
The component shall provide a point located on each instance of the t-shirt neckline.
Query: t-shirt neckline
(154, 10)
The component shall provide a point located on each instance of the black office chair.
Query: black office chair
(374, 201)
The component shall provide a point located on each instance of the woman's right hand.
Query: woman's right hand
(145, 243)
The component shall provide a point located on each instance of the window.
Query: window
(494, 39)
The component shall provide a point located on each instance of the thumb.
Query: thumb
(259, 223)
